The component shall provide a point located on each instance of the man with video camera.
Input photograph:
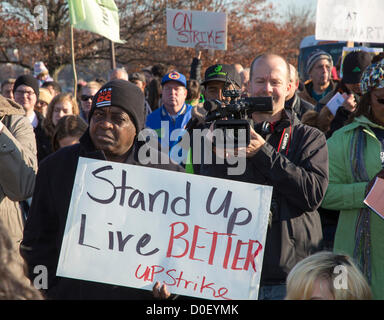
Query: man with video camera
(291, 157)
(217, 78)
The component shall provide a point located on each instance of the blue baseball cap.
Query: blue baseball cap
(174, 76)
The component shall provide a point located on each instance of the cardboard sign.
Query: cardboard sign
(132, 226)
(190, 28)
(350, 20)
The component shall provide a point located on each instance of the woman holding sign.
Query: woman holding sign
(355, 161)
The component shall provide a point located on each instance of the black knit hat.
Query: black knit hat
(220, 72)
(123, 94)
(354, 65)
(29, 81)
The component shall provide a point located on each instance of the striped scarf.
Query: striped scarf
(362, 250)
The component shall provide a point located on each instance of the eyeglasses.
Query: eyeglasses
(84, 97)
(23, 92)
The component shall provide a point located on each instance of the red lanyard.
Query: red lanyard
(285, 140)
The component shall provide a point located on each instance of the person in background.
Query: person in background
(139, 80)
(238, 67)
(41, 73)
(87, 93)
(154, 87)
(26, 92)
(7, 88)
(62, 105)
(118, 73)
(244, 82)
(327, 276)
(53, 87)
(319, 65)
(147, 72)
(193, 92)
(44, 100)
(174, 111)
(68, 131)
(13, 285)
(195, 72)
(294, 102)
(349, 87)
(18, 166)
(356, 159)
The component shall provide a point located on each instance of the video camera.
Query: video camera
(237, 115)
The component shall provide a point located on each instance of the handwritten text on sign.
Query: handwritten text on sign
(350, 20)
(131, 226)
(189, 28)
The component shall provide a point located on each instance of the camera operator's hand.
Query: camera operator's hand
(256, 142)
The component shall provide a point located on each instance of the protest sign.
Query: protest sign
(350, 20)
(189, 28)
(132, 226)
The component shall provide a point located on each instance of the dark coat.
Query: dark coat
(299, 181)
(45, 225)
(298, 105)
(43, 141)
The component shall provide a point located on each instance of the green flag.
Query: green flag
(98, 16)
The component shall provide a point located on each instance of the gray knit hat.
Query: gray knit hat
(316, 56)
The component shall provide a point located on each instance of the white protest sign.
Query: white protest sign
(350, 20)
(189, 28)
(131, 226)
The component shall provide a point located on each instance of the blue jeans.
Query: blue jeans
(276, 292)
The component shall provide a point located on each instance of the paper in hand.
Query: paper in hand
(336, 101)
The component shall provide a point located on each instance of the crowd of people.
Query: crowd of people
(320, 162)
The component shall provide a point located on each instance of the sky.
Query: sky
(299, 4)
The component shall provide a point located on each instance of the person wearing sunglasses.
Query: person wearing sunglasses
(356, 159)
(87, 93)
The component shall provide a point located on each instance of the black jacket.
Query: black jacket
(45, 225)
(299, 181)
(298, 105)
(43, 141)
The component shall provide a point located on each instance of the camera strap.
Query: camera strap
(285, 140)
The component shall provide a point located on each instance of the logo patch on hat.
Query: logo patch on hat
(357, 69)
(174, 75)
(218, 68)
(104, 98)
